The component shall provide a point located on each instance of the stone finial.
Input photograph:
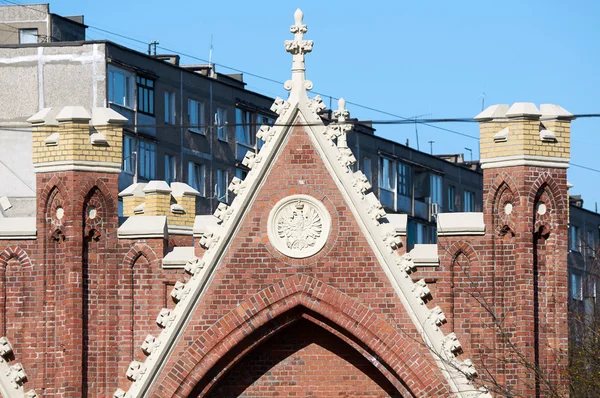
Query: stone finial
(298, 47)
(452, 344)
(194, 266)
(179, 292)
(5, 347)
(421, 289)
(121, 394)
(406, 264)
(17, 374)
(165, 317)
(438, 316)
(135, 371)
(149, 345)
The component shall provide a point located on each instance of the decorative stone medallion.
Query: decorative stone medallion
(299, 226)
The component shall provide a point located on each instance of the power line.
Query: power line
(409, 120)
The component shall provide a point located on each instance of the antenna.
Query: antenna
(210, 53)
(151, 45)
(482, 96)
(431, 147)
(470, 151)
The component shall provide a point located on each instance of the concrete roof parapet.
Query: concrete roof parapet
(523, 110)
(46, 116)
(136, 190)
(107, 116)
(493, 112)
(143, 227)
(156, 186)
(425, 255)
(18, 228)
(398, 222)
(553, 111)
(179, 189)
(451, 224)
(73, 114)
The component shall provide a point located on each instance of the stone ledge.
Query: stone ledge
(144, 227)
(425, 255)
(451, 224)
(178, 257)
(18, 228)
(398, 222)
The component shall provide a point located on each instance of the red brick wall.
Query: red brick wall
(346, 266)
(304, 360)
(512, 282)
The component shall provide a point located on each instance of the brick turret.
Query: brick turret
(77, 158)
(525, 155)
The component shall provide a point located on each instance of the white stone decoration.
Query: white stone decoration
(237, 186)
(541, 208)
(421, 289)
(5, 348)
(452, 344)
(366, 207)
(92, 212)
(360, 182)
(406, 264)
(194, 266)
(60, 213)
(299, 226)
(150, 344)
(437, 316)
(135, 371)
(508, 208)
(223, 212)
(179, 292)
(165, 317)
(17, 375)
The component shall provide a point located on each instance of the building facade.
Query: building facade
(188, 123)
(300, 283)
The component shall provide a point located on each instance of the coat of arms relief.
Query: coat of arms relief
(299, 226)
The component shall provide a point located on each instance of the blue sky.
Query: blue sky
(407, 58)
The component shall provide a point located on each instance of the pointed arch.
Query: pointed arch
(135, 316)
(499, 184)
(399, 351)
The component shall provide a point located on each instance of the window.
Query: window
(387, 182)
(241, 173)
(424, 234)
(221, 124)
(469, 201)
(145, 93)
(367, 169)
(169, 107)
(243, 127)
(435, 190)
(128, 154)
(196, 116)
(196, 175)
(119, 87)
(451, 197)
(574, 242)
(222, 179)
(27, 36)
(170, 166)
(404, 179)
(576, 292)
(590, 243)
(147, 160)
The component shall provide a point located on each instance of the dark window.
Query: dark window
(145, 93)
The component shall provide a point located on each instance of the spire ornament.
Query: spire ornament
(298, 47)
